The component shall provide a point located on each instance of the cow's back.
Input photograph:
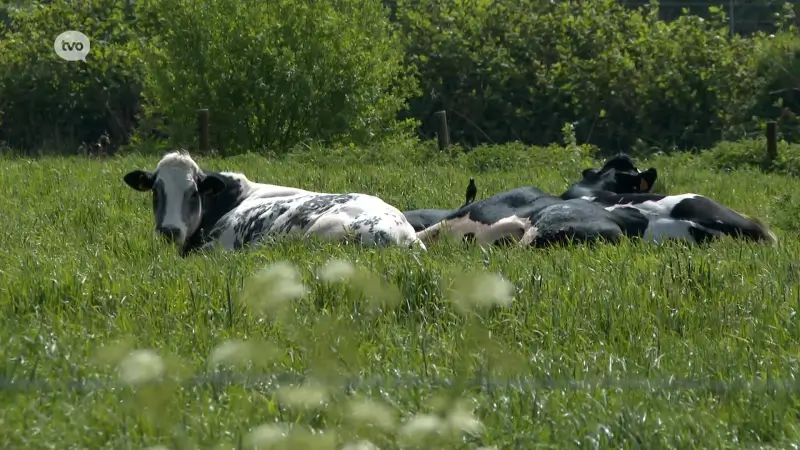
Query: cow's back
(423, 218)
(519, 202)
(326, 215)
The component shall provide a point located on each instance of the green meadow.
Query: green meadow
(109, 339)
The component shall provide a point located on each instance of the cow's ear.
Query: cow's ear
(211, 185)
(141, 180)
(647, 179)
(590, 173)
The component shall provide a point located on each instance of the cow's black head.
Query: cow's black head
(618, 175)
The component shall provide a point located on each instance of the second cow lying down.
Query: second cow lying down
(607, 204)
(198, 209)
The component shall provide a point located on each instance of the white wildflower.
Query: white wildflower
(373, 413)
(141, 366)
(460, 419)
(303, 397)
(274, 286)
(482, 290)
(231, 351)
(419, 427)
(360, 445)
(336, 271)
(267, 435)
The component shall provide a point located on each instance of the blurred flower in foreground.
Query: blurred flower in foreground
(422, 428)
(141, 366)
(237, 352)
(271, 288)
(479, 290)
(372, 413)
(360, 445)
(231, 351)
(460, 419)
(267, 435)
(336, 271)
(419, 428)
(303, 397)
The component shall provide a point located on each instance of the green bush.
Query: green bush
(276, 73)
(751, 153)
(280, 74)
(519, 69)
(46, 101)
(778, 64)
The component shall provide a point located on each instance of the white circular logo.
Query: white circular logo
(72, 46)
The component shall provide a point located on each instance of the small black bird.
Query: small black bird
(472, 191)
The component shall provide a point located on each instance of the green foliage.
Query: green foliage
(45, 100)
(519, 69)
(275, 73)
(629, 346)
(752, 153)
(282, 75)
(778, 64)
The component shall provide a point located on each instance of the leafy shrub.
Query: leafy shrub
(778, 64)
(519, 69)
(751, 153)
(276, 73)
(45, 100)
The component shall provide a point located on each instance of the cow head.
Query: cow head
(618, 175)
(179, 189)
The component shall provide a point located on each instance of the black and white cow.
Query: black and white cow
(532, 217)
(619, 175)
(590, 210)
(197, 209)
(423, 218)
(691, 217)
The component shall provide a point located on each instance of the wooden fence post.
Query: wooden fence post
(443, 133)
(202, 125)
(772, 141)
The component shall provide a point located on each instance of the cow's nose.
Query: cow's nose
(171, 233)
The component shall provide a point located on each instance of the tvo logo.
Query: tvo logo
(72, 46)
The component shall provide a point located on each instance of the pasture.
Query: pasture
(630, 346)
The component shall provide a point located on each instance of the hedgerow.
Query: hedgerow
(281, 75)
(276, 73)
(520, 69)
(46, 101)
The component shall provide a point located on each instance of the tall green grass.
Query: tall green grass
(109, 339)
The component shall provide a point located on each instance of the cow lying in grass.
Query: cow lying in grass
(618, 175)
(423, 218)
(619, 185)
(197, 209)
(606, 204)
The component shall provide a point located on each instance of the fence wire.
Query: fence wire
(221, 380)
